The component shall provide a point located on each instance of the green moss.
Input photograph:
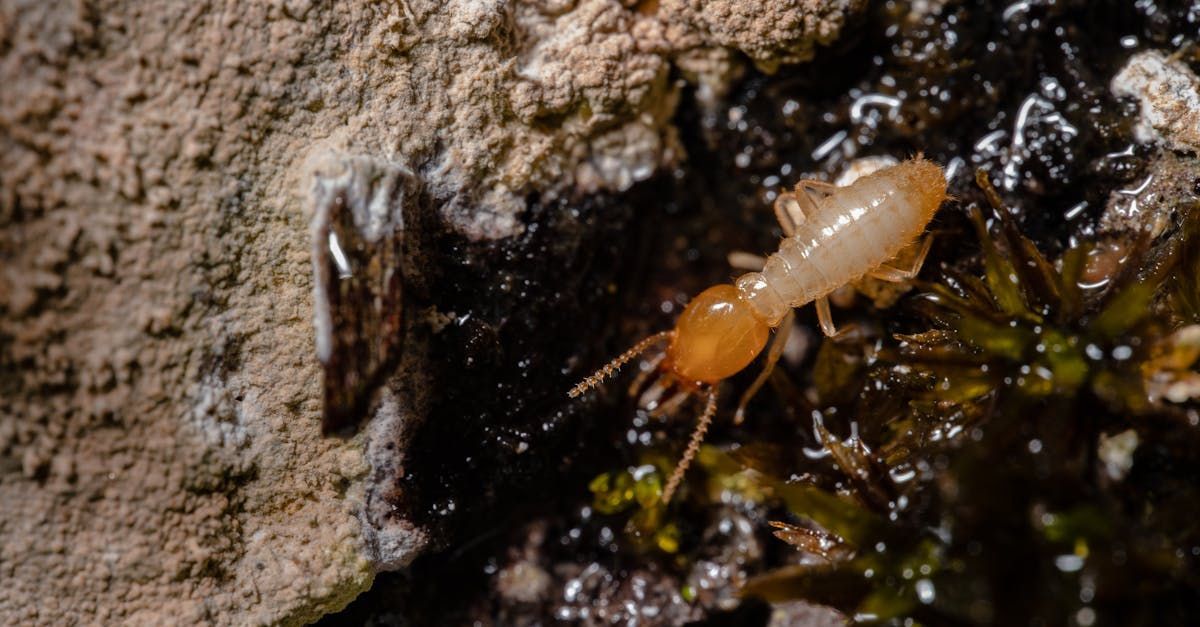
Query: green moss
(636, 492)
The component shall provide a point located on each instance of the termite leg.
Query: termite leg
(746, 261)
(776, 349)
(786, 221)
(673, 403)
(818, 186)
(825, 317)
(710, 409)
(792, 209)
(800, 202)
(611, 367)
(886, 272)
(654, 393)
(643, 376)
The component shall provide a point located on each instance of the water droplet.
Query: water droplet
(1069, 563)
(925, 591)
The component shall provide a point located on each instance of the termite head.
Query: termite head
(717, 335)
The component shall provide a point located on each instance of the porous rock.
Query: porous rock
(1149, 203)
(1168, 96)
(770, 33)
(161, 457)
(1167, 93)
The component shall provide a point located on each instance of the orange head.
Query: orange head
(717, 335)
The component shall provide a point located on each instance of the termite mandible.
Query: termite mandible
(833, 235)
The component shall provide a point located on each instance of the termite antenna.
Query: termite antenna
(611, 367)
(710, 409)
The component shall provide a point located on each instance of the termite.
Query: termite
(833, 236)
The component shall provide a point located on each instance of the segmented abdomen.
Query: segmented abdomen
(853, 231)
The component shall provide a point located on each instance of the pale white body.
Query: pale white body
(850, 232)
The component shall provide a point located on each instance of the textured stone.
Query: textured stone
(161, 455)
(1168, 95)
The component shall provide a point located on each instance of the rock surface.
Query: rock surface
(1168, 97)
(161, 458)
(1168, 94)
